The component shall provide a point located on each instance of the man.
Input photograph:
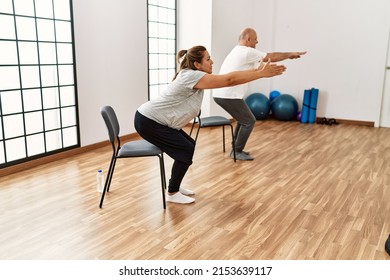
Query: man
(244, 56)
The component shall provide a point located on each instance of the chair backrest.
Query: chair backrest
(111, 121)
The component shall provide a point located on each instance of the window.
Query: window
(38, 104)
(161, 44)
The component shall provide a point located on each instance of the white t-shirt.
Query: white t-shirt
(179, 103)
(240, 58)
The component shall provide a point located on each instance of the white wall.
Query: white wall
(229, 18)
(111, 60)
(194, 28)
(346, 42)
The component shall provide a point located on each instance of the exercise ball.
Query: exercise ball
(284, 107)
(273, 94)
(259, 104)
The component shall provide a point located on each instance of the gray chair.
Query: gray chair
(136, 148)
(214, 121)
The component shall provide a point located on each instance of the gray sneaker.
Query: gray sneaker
(244, 152)
(241, 156)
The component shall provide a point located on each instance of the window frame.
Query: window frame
(155, 88)
(61, 75)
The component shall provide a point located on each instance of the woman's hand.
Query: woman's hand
(270, 70)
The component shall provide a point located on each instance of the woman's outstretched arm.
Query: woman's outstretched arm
(266, 70)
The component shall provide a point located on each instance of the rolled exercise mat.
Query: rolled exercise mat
(305, 106)
(313, 105)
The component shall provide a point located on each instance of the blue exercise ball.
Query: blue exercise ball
(259, 104)
(273, 94)
(284, 107)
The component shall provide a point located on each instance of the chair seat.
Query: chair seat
(139, 148)
(214, 121)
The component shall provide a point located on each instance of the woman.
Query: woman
(160, 121)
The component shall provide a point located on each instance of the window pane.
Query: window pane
(47, 53)
(45, 30)
(171, 45)
(67, 96)
(153, 13)
(34, 122)
(68, 116)
(52, 119)
(65, 53)
(7, 30)
(66, 74)
(171, 61)
(13, 126)
(15, 149)
(153, 29)
(32, 100)
(53, 140)
(163, 76)
(9, 78)
(64, 31)
(163, 63)
(2, 155)
(44, 8)
(62, 9)
(70, 136)
(171, 4)
(6, 6)
(171, 16)
(50, 98)
(161, 44)
(162, 15)
(171, 74)
(171, 32)
(8, 54)
(153, 77)
(26, 28)
(153, 46)
(35, 144)
(153, 61)
(24, 7)
(28, 52)
(11, 102)
(30, 76)
(162, 30)
(49, 76)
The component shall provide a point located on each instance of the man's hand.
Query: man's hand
(294, 55)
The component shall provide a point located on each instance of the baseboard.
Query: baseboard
(352, 122)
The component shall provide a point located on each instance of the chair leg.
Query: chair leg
(223, 137)
(163, 181)
(233, 143)
(108, 179)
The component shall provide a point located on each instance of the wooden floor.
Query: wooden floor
(312, 192)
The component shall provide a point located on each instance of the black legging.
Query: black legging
(175, 143)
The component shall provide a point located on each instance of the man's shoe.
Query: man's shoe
(244, 152)
(241, 156)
